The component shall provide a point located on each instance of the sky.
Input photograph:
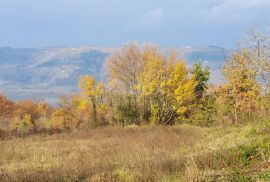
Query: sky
(52, 23)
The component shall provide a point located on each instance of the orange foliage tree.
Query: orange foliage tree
(7, 110)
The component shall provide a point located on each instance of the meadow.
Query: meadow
(158, 153)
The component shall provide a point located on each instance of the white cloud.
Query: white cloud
(235, 10)
(153, 14)
(149, 18)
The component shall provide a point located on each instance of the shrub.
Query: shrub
(7, 110)
(247, 153)
(265, 176)
(127, 112)
(61, 119)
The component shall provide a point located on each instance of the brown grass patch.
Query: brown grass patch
(107, 154)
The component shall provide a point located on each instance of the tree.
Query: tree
(258, 45)
(62, 118)
(7, 110)
(74, 110)
(182, 88)
(27, 109)
(149, 84)
(91, 92)
(44, 109)
(124, 68)
(202, 76)
(203, 106)
(164, 83)
(242, 84)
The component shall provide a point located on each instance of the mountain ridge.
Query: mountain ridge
(48, 73)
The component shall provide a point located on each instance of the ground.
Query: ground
(178, 153)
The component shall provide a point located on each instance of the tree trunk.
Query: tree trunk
(235, 113)
(94, 110)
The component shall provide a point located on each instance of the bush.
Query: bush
(7, 110)
(264, 176)
(127, 112)
(246, 153)
(61, 119)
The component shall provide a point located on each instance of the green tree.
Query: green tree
(202, 76)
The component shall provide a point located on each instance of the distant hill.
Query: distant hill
(51, 72)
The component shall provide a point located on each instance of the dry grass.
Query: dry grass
(118, 154)
(113, 154)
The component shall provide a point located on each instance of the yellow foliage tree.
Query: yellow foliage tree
(242, 83)
(165, 84)
(182, 87)
(91, 92)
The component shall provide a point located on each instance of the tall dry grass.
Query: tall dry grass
(108, 154)
(183, 153)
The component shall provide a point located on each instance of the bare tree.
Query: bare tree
(125, 66)
(258, 44)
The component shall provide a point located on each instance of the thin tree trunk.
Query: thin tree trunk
(235, 113)
(249, 109)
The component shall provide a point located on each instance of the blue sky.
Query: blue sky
(43, 23)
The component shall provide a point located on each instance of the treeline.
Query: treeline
(150, 87)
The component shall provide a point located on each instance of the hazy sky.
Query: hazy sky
(42, 23)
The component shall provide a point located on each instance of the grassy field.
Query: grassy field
(180, 153)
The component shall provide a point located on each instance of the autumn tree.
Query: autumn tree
(242, 84)
(92, 93)
(258, 45)
(7, 110)
(225, 103)
(165, 85)
(182, 87)
(27, 113)
(44, 109)
(124, 68)
(152, 74)
(63, 118)
(73, 111)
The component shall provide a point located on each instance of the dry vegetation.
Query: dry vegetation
(180, 153)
